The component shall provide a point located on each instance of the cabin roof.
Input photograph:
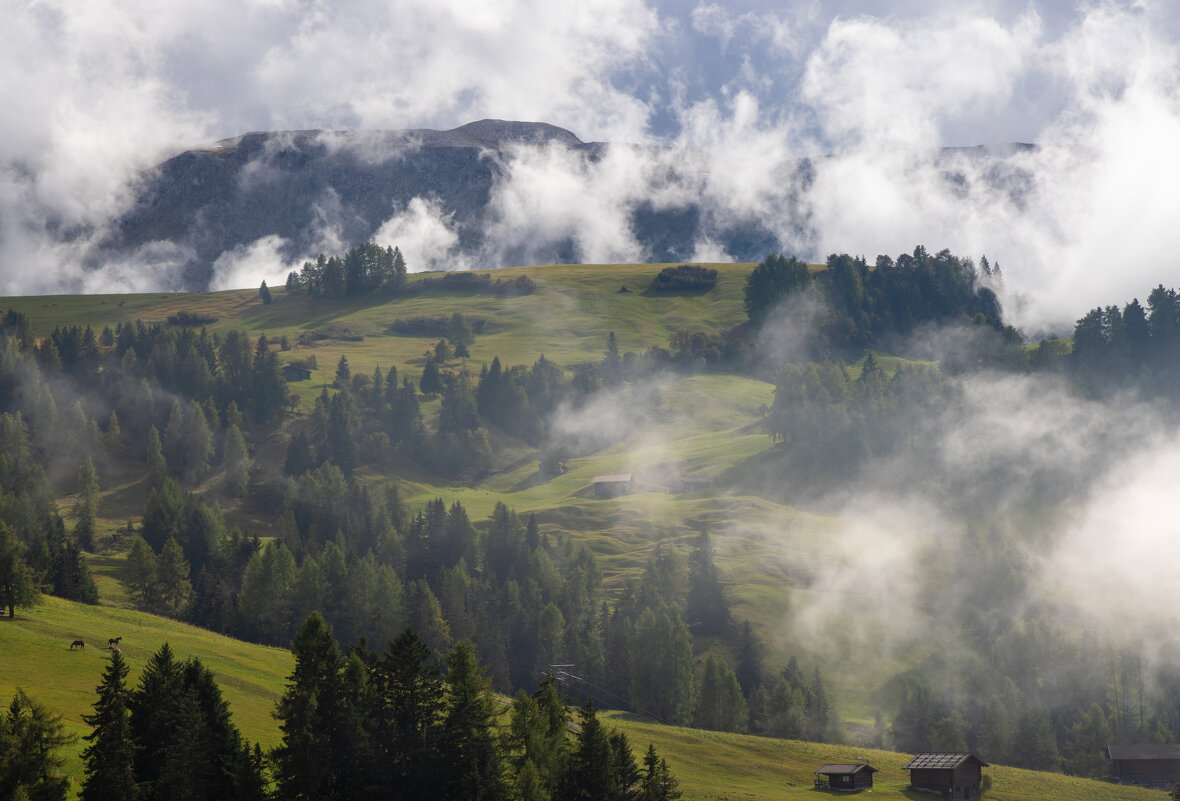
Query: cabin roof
(613, 478)
(940, 761)
(842, 769)
(1152, 751)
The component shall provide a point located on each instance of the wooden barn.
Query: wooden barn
(845, 776)
(296, 372)
(957, 777)
(1155, 766)
(611, 486)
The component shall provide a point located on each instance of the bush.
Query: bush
(190, 319)
(684, 277)
(474, 283)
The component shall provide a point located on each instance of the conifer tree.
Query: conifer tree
(31, 738)
(85, 511)
(153, 706)
(410, 698)
(237, 461)
(172, 578)
(309, 713)
(706, 609)
(343, 372)
(139, 573)
(431, 382)
(469, 746)
(109, 758)
(17, 585)
(156, 464)
(658, 783)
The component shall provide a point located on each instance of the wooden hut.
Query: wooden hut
(957, 777)
(845, 776)
(296, 372)
(1156, 766)
(611, 486)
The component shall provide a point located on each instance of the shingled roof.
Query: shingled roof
(840, 770)
(940, 761)
(1152, 751)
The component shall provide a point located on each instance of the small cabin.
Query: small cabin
(957, 777)
(845, 776)
(1154, 766)
(694, 483)
(296, 372)
(611, 486)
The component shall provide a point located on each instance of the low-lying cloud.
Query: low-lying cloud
(721, 100)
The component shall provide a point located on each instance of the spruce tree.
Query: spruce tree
(31, 738)
(109, 758)
(707, 610)
(343, 372)
(308, 712)
(469, 745)
(410, 699)
(154, 706)
(658, 783)
(431, 382)
(588, 777)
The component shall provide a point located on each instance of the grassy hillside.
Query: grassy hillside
(714, 765)
(705, 425)
(35, 655)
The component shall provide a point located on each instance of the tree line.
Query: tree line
(358, 724)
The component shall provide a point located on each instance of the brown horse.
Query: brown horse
(113, 641)
(77, 644)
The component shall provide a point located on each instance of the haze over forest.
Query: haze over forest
(938, 435)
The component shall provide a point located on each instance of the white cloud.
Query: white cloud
(248, 266)
(424, 235)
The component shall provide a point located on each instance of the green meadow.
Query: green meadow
(705, 426)
(711, 766)
(701, 426)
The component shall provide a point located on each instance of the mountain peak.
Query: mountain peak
(501, 132)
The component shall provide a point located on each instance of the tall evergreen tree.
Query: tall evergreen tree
(17, 584)
(310, 713)
(469, 746)
(707, 610)
(31, 739)
(109, 759)
(85, 512)
(410, 696)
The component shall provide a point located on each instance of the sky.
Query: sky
(95, 93)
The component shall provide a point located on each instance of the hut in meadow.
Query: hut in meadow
(611, 486)
(1155, 766)
(845, 776)
(956, 777)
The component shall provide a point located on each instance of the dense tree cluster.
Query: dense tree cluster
(684, 277)
(170, 737)
(864, 306)
(830, 423)
(397, 725)
(1115, 349)
(363, 269)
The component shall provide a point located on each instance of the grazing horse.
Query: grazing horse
(115, 650)
(77, 644)
(113, 641)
